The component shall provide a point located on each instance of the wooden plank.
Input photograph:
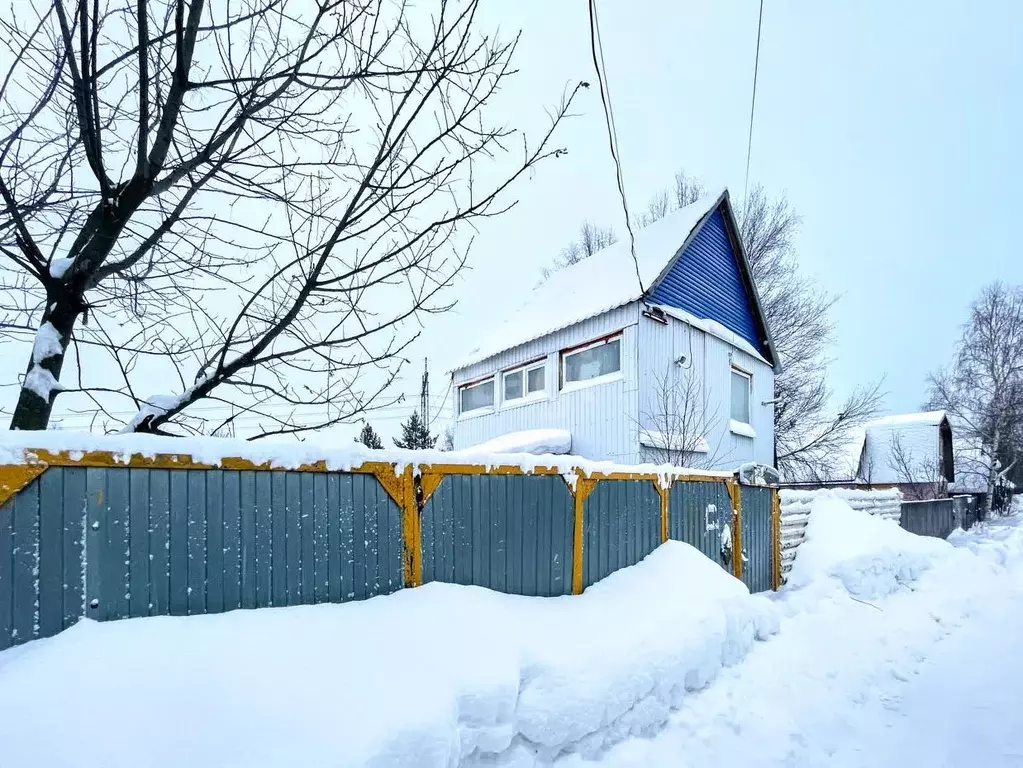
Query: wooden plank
(307, 519)
(117, 560)
(6, 573)
(73, 561)
(214, 543)
(249, 513)
(293, 536)
(265, 525)
(359, 501)
(336, 584)
(196, 541)
(178, 597)
(231, 516)
(138, 542)
(25, 549)
(51, 552)
(95, 541)
(279, 540)
(159, 541)
(346, 528)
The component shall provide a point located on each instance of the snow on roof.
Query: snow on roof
(534, 441)
(597, 284)
(930, 418)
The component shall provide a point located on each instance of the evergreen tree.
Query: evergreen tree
(369, 438)
(415, 434)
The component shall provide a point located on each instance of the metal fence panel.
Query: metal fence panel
(621, 526)
(112, 542)
(511, 533)
(929, 518)
(756, 537)
(699, 513)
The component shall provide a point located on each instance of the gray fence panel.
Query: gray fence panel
(115, 542)
(621, 526)
(756, 537)
(698, 514)
(507, 532)
(929, 518)
(74, 514)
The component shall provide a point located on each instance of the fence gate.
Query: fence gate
(700, 515)
(756, 537)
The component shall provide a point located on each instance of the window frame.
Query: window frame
(526, 396)
(748, 375)
(565, 385)
(483, 409)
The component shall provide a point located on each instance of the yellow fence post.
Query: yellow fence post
(665, 494)
(583, 488)
(775, 540)
(735, 492)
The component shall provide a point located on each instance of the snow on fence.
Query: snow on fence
(795, 513)
(111, 528)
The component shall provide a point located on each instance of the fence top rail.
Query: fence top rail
(947, 500)
(57, 448)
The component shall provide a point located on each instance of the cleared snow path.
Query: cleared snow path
(930, 675)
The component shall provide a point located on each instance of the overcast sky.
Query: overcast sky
(892, 127)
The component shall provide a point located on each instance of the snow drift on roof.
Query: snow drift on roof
(602, 282)
(534, 441)
(930, 418)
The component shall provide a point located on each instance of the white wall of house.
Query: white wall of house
(601, 416)
(606, 417)
(711, 358)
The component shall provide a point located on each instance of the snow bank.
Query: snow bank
(870, 555)
(534, 441)
(434, 676)
(16, 447)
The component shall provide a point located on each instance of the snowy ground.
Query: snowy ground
(930, 675)
(887, 649)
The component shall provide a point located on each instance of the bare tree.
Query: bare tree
(679, 419)
(591, 239)
(808, 434)
(982, 390)
(254, 202)
(921, 477)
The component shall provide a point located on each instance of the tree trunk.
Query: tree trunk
(33, 411)
(992, 475)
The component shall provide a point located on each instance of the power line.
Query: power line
(753, 103)
(612, 133)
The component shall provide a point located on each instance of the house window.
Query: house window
(476, 396)
(524, 382)
(741, 386)
(592, 361)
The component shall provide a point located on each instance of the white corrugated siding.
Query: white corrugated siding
(710, 358)
(602, 418)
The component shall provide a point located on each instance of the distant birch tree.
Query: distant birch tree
(982, 389)
(252, 202)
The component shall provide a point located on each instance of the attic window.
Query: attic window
(593, 361)
(475, 397)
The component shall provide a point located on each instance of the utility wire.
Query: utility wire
(612, 134)
(753, 103)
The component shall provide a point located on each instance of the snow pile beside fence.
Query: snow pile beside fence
(871, 556)
(435, 676)
(796, 505)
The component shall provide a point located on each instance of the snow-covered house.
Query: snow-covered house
(665, 358)
(910, 451)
